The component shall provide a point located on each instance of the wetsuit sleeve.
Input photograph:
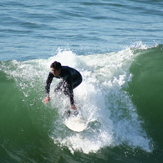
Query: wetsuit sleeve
(48, 82)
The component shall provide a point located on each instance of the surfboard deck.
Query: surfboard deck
(75, 121)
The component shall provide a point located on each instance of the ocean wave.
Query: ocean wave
(103, 97)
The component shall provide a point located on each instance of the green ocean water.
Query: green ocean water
(146, 89)
(124, 114)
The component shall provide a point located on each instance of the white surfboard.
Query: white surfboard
(75, 121)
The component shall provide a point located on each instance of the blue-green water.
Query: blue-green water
(117, 47)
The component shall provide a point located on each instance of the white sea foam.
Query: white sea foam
(104, 103)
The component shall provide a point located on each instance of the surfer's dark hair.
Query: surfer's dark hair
(56, 65)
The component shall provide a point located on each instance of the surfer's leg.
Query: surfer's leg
(76, 82)
(62, 87)
(59, 87)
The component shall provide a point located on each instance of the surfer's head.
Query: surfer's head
(56, 68)
(56, 65)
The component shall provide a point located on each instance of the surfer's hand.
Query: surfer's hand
(73, 107)
(46, 100)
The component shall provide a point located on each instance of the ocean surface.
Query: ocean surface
(117, 45)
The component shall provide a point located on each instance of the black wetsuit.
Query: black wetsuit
(71, 78)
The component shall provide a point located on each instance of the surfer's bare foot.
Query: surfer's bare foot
(73, 107)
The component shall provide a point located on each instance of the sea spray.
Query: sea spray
(105, 104)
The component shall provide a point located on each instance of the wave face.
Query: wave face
(146, 89)
(120, 96)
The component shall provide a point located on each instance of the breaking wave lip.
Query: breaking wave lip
(108, 108)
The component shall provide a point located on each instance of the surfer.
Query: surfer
(71, 78)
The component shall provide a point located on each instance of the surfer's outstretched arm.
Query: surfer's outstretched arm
(47, 87)
(47, 99)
